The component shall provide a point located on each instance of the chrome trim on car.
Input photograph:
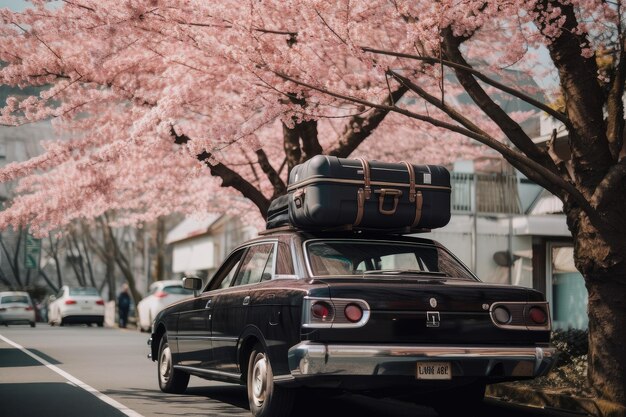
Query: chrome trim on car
(210, 372)
(316, 359)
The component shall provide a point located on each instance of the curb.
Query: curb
(554, 399)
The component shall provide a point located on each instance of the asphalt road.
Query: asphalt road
(78, 371)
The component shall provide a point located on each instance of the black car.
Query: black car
(293, 310)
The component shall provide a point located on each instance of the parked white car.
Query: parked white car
(160, 295)
(16, 307)
(76, 305)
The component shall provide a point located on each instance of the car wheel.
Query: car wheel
(100, 323)
(171, 380)
(32, 324)
(266, 399)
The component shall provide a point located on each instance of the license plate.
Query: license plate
(434, 370)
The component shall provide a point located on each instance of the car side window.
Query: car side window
(257, 265)
(224, 276)
(284, 262)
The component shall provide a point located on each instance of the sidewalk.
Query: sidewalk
(554, 398)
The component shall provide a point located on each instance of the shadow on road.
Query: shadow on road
(51, 399)
(231, 400)
(11, 357)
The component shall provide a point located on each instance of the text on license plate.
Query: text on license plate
(434, 370)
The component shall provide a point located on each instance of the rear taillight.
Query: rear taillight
(321, 310)
(353, 312)
(29, 308)
(520, 315)
(100, 302)
(537, 315)
(70, 302)
(318, 312)
(160, 294)
(501, 315)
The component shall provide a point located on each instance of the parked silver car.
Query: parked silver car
(16, 307)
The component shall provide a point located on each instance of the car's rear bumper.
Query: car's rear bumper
(83, 318)
(309, 360)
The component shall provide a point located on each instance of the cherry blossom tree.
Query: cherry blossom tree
(191, 106)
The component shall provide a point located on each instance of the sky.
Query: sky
(16, 5)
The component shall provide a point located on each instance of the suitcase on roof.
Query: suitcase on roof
(328, 192)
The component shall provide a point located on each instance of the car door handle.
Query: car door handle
(208, 304)
(246, 300)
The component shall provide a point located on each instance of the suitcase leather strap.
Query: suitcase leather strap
(363, 193)
(414, 196)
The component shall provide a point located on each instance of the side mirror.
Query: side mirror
(192, 283)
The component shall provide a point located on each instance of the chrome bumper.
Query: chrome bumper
(316, 359)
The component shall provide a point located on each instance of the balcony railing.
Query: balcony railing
(485, 194)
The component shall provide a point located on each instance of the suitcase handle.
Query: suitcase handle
(384, 192)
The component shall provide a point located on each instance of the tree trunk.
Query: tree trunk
(601, 258)
(607, 336)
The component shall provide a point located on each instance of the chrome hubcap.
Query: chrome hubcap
(164, 367)
(259, 380)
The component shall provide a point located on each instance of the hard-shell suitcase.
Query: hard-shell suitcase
(327, 192)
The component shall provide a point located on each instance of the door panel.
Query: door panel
(231, 305)
(194, 332)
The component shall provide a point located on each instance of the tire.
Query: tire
(100, 323)
(171, 380)
(266, 399)
(32, 324)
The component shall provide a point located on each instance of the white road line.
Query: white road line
(71, 379)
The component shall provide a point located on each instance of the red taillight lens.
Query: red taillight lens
(160, 294)
(537, 315)
(321, 310)
(100, 302)
(69, 302)
(353, 312)
(29, 308)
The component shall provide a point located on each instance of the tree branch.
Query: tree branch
(606, 191)
(515, 93)
(229, 177)
(359, 128)
(529, 166)
(455, 115)
(583, 95)
(279, 185)
(511, 129)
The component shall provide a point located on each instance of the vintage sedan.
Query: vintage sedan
(293, 310)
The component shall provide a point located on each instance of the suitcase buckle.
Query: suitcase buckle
(384, 192)
(298, 198)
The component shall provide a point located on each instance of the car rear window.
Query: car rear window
(14, 299)
(350, 257)
(175, 289)
(84, 291)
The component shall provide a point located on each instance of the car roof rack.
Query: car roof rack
(347, 228)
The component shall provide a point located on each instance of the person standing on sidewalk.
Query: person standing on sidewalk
(123, 305)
